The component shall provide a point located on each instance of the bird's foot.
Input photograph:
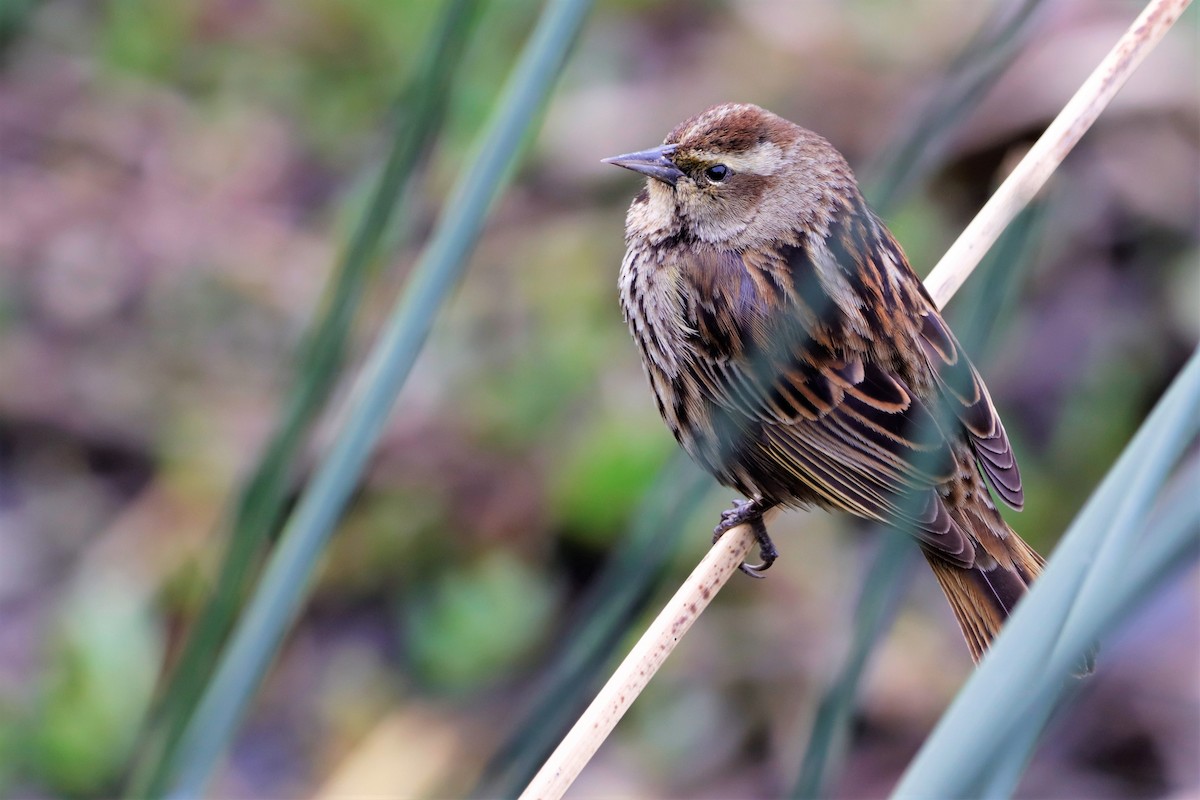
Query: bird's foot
(750, 512)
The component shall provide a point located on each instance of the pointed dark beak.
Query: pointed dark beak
(655, 163)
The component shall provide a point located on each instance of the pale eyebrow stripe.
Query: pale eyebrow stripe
(764, 158)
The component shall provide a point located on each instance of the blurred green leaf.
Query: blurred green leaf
(285, 579)
(963, 85)
(605, 475)
(147, 37)
(259, 508)
(385, 537)
(477, 621)
(98, 687)
(882, 589)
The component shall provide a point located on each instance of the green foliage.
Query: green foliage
(149, 38)
(331, 65)
(882, 587)
(14, 14)
(477, 621)
(525, 361)
(605, 475)
(93, 699)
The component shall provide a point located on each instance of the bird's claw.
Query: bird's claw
(749, 512)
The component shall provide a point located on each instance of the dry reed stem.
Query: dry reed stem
(631, 677)
(722, 560)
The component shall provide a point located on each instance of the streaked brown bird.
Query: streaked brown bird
(796, 356)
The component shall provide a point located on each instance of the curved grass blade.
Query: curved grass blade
(1006, 769)
(1176, 522)
(1003, 705)
(257, 513)
(1176, 545)
(287, 574)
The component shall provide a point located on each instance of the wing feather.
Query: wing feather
(850, 431)
(968, 398)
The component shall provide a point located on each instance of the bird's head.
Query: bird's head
(737, 176)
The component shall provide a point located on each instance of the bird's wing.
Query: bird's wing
(850, 431)
(872, 448)
(966, 395)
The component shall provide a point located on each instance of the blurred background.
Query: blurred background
(177, 183)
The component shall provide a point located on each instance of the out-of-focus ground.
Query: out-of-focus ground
(176, 182)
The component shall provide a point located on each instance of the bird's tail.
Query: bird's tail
(984, 595)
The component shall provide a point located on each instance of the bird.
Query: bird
(796, 356)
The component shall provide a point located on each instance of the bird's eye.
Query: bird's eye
(717, 173)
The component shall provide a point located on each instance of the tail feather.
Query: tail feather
(983, 596)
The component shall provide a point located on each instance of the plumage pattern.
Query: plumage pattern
(796, 356)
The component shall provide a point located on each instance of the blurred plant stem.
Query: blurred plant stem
(258, 512)
(285, 579)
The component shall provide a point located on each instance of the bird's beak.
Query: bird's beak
(655, 163)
